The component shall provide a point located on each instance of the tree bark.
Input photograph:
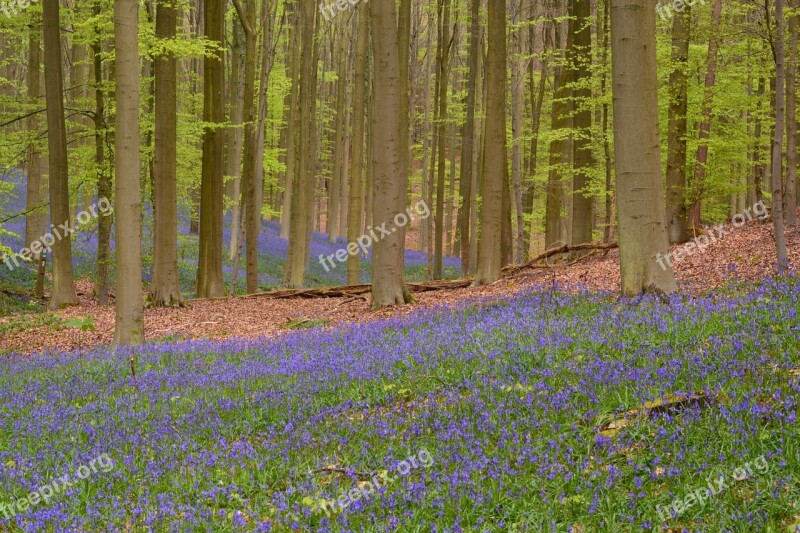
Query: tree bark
(443, 62)
(790, 198)
(468, 141)
(388, 286)
(129, 324)
(103, 170)
(35, 221)
(582, 157)
(209, 269)
(777, 143)
(698, 183)
(63, 293)
(640, 192)
(495, 169)
(676, 159)
(354, 221)
(165, 290)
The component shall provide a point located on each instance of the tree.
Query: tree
(583, 160)
(165, 289)
(129, 324)
(495, 169)
(35, 222)
(63, 293)
(698, 183)
(777, 142)
(209, 268)
(677, 132)
(467, 140)
(640, 192)
(355, 214)
(388, 286)
(791, 122)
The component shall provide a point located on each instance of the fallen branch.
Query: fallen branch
(513, 269)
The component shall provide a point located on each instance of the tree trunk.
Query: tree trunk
(468, 140)
(583, 160)
(103, 170)
(777, 144)
(678, 101)
(354, 223)
(790, 198)
(165, 289)
(640, 192)
(517, 131)
(129, 325)
(209, 269)
(303, 192)
(388, 287)
(698, 183)
(334, 192)
(233, 153)
(35, 221)
(291, 126)
(443, 62)
(495, 170)
(63, 287)
(252, 209)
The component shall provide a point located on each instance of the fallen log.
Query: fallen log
(513, 269)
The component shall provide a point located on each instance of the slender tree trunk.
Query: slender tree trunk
(165, 289)
(640, 191)
(354, 222)
(791, 123)
(291, 127)
(468, 140)
(583, 159)
(441, 126)
(103, 170)
(608, 232)
(495, 169)
(303, 193)
(209, 270)
(698, 183)
(517, 131)
(252, 207)
(334, 196)
(35, 221)
(129, 325)
(678, 101)
(777, 144)
(388, 287)
(63, 287)
(233, 156)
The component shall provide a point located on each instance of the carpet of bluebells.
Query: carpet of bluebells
(271, 248)
(525, 406)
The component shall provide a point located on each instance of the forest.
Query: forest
(399, 265)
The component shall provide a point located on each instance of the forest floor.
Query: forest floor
(741, 254)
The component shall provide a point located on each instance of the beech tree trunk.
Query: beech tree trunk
(354, 220)
(63, 293)
(582, 157)
(35, 221)
(209, 269)
(698, 183)
(388, 286)
(468, 141)
(495, 168)
(790, 198)
(777, 143)
(640, 191)
(165, 289)
(103, 170)
(676, 142)
(129, 324)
